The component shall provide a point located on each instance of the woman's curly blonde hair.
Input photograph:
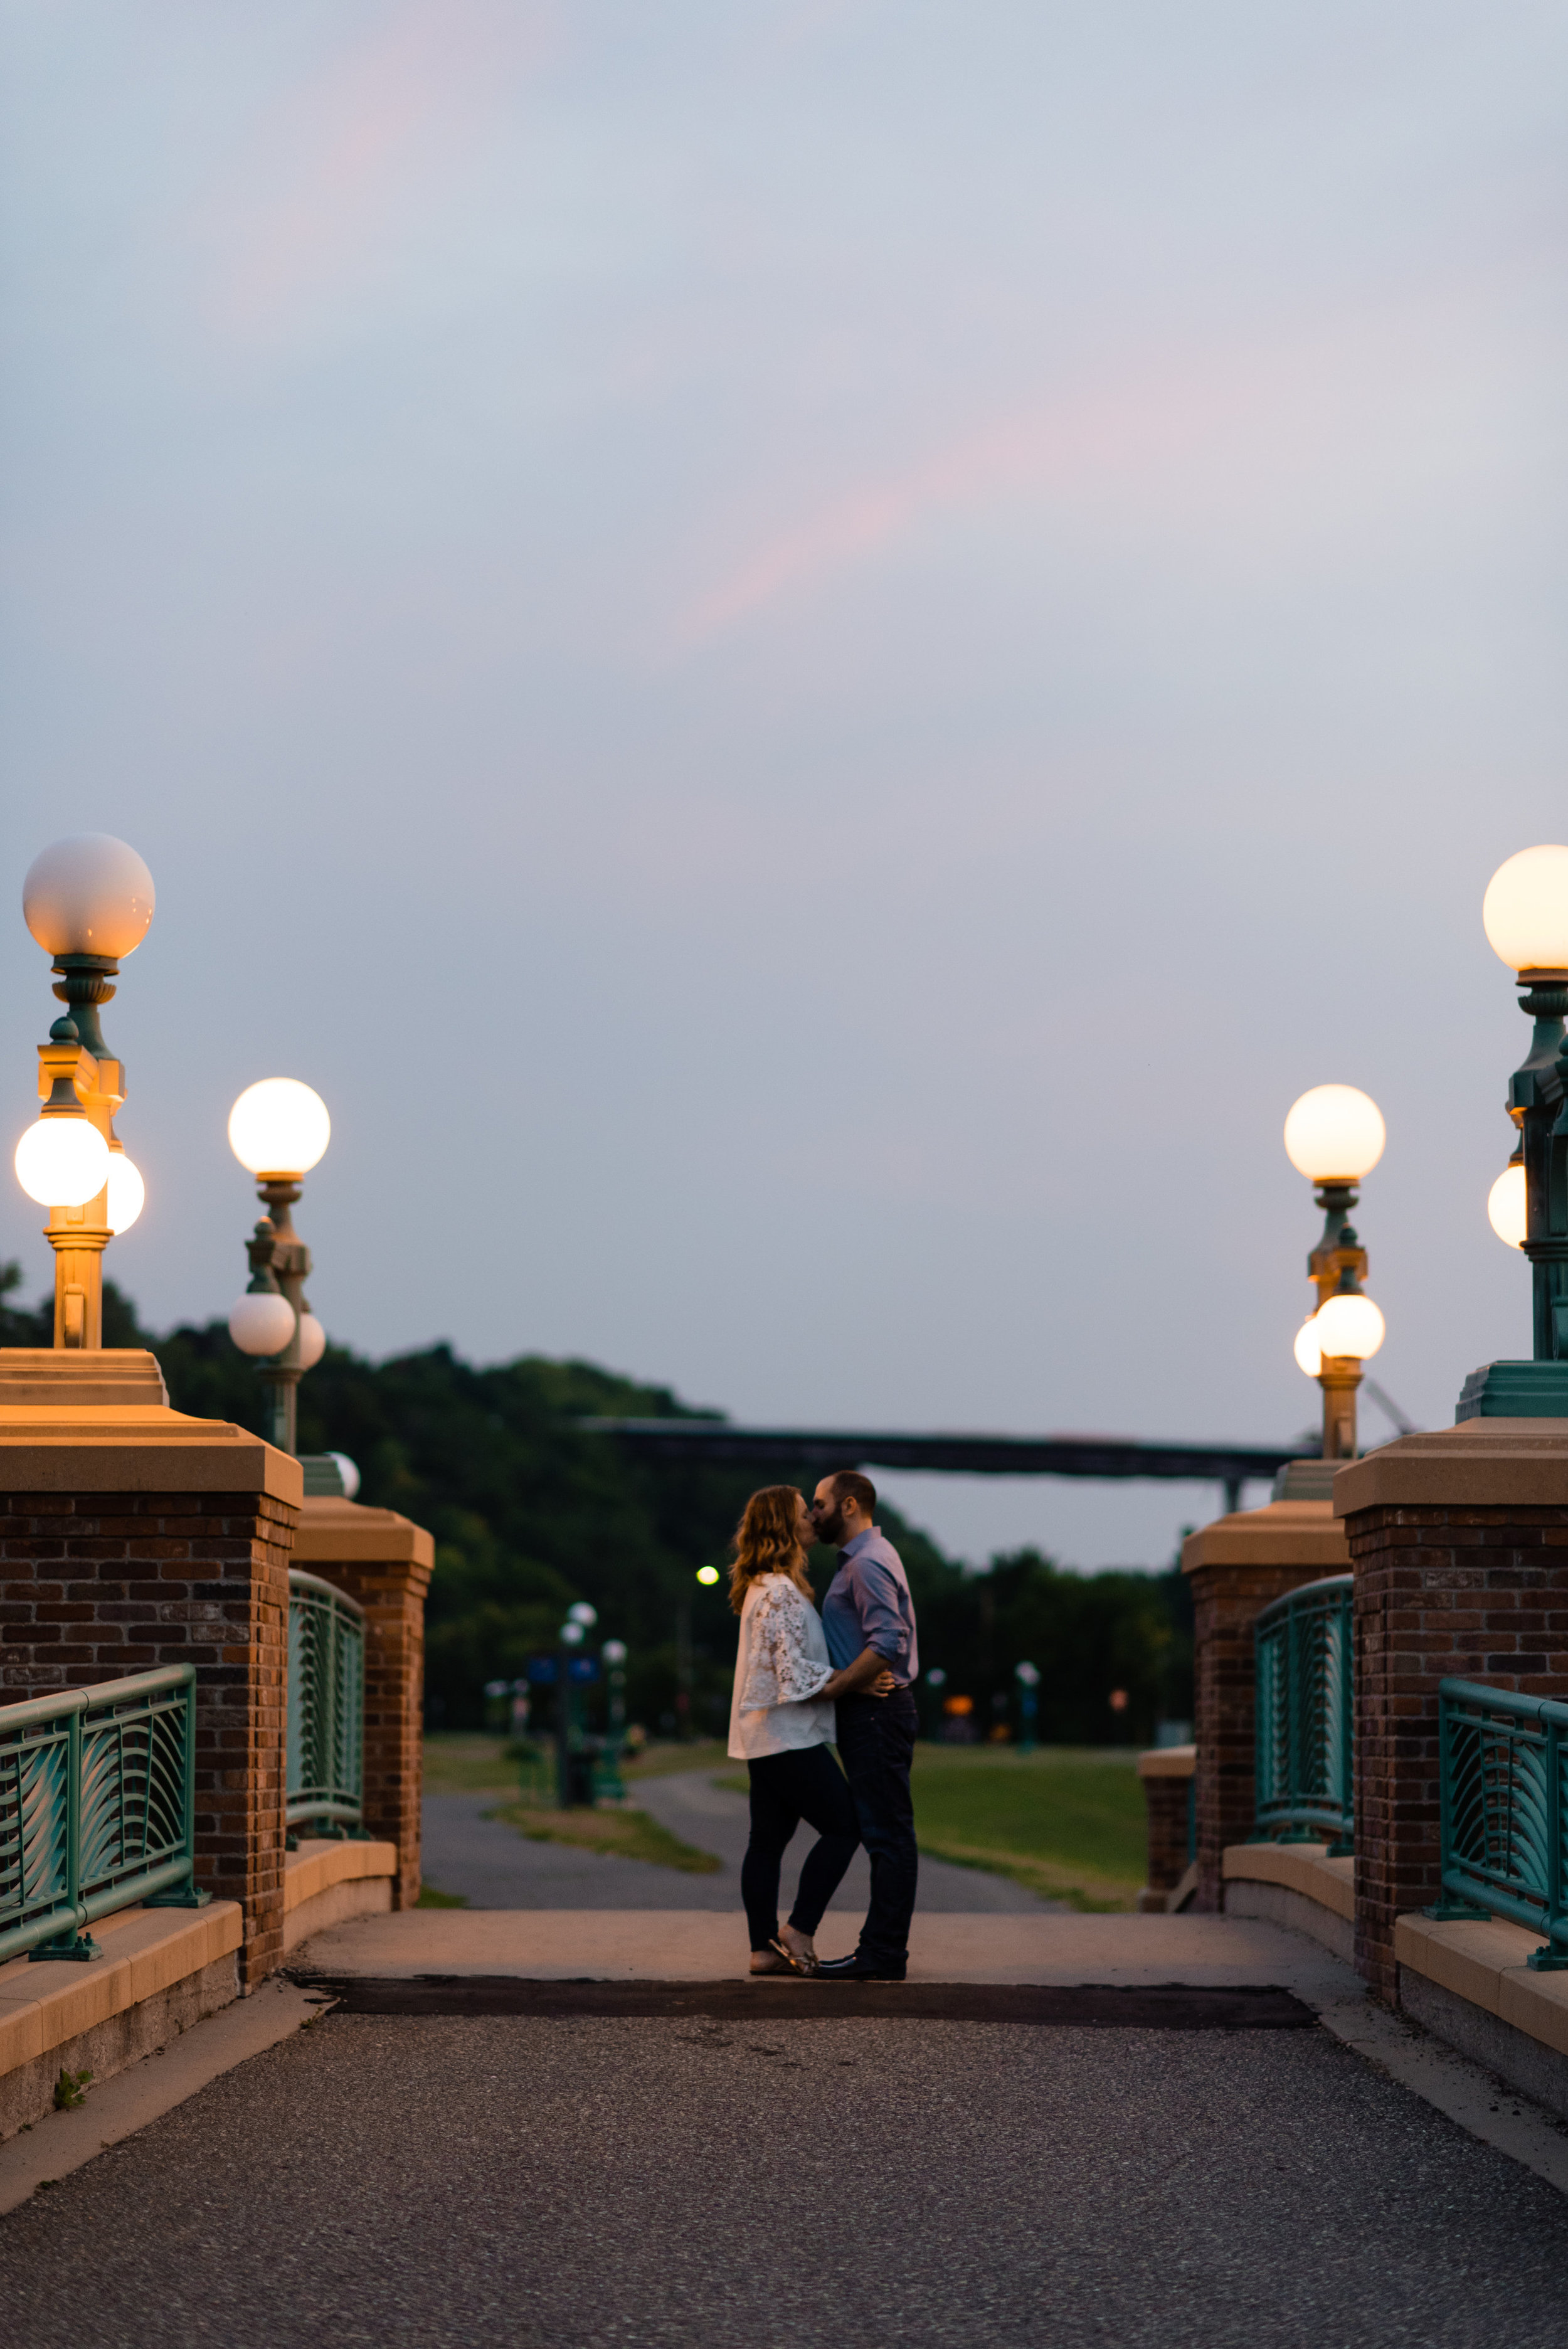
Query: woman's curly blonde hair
(766, 1541)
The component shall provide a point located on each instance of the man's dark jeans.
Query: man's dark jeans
(876, 1746)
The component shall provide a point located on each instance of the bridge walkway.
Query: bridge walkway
(571, 2179)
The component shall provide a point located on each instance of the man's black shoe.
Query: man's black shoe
(857, 1967)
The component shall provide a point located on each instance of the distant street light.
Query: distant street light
(1335, 1136)
(278, 1130)
(1028, 1679)
(88, 902)
(573, 1783)
(612, 1656)
(1525, 915)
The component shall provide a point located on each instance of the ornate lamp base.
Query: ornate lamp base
(1515, 1391)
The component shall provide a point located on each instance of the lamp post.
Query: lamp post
(1335, 1136)
(1525, 915)
(580, 1620)
(88, 901)
(612, 1656)
(1028, 1679)
(279, 1129)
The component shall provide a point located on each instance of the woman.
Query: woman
(781, 1725)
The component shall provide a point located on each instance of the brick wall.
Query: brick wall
(1167, 1799)
(1480, 1593)
(1227, 1601)
(393, 1596)
(94, 1586)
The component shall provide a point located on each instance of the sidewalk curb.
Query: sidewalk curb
(1452, 2085)
(144, 2091)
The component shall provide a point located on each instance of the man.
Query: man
(867, 1617)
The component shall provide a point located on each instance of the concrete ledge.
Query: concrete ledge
(327, 1883)
(1471, 1983)
(1294, 1884)
(161, 1970)
(1168, 1761)
(1277, 1904)
(1302, 1867)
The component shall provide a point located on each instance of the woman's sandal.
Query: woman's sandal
(807, 1966)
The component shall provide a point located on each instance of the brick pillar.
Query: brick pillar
(1238, 1564)
(135, 1536)
(1166, 1772)
(1460, 1544)
(384, 1561)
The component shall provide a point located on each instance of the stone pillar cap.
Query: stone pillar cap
(345, 1533)
(66, 1444)
(1481, 1464)
(1283, 1533)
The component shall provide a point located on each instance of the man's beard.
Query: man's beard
(831, 1524)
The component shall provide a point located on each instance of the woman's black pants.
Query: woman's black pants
(805, 1783)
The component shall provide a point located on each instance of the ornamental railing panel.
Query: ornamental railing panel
(325, 1764)
(1306, 1689)
(1505, 1810)
(97, 1808)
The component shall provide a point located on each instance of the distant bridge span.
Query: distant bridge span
(713, 1441)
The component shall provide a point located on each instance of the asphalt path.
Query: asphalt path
(494, 1867)
(587, 2183)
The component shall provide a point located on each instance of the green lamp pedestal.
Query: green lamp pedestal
(1515, 1391)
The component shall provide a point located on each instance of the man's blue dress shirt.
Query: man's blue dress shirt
(868, 1605)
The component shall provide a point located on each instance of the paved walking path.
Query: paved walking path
(532, 2183)
(674, 1945)
(494, 1867)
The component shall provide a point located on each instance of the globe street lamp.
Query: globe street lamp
(1525, 915)
(88, 901)
(612, 1656)
(1335, 1136)
(279, 1129)
(572, 1785)
(1028, 1679)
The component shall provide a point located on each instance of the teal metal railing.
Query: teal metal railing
(1504, 1810)
(1305, 1649)
(325, 1764)
(97, 1808)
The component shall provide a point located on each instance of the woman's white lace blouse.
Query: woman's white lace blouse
(781, 1664)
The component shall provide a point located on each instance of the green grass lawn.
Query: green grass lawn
(1067, 1821)
(466, 1761)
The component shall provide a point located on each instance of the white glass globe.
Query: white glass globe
(572, 1635)
(262, 1323)
(279, 1127)
(1525, 910)
(312, 1342)
(62, 1162)
(349, 1472)
(88, 895)
(1335, 1133)
(613, 1653)
(1308, 1351)
(127, 1192)
(1505, 1207)
(1349, 1326)
(583, 1613)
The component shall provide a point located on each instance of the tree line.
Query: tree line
(530, 1513)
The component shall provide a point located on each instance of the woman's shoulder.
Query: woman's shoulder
(776, 1591)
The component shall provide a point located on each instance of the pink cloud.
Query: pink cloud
(334, 159)
(1153, 425)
